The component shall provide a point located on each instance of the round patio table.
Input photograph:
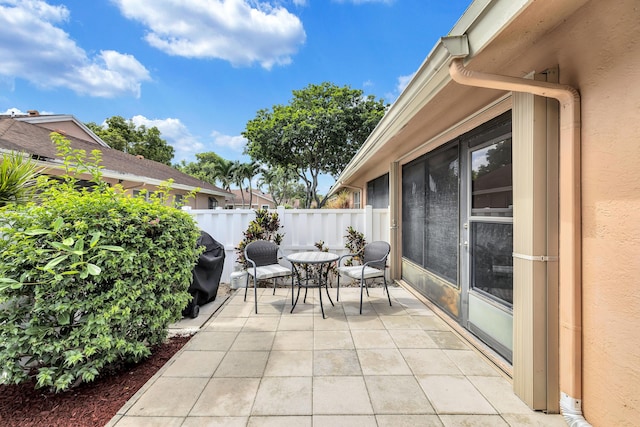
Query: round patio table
(316, 266)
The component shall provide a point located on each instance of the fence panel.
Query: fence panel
(302, 228)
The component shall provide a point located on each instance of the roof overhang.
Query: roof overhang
(142, 180)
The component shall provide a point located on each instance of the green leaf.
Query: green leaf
(94, 239)
(36, 232)
(64, 319)
(68, 241)
(89, 375)
(61, 246)
(72, 357)
(44, 378)
(55, 262)
(93, 269)
(111, 248)
(58, 223)
(79, 247)
(4, 284)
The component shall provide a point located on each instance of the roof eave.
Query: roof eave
(106, 173)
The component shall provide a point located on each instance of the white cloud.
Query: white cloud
(365, 1)
(19, 112)
(236, 143)
(176, 134)
(403, 82)
(242, 32)
(33, 47)
(185, 144)
(13, 112)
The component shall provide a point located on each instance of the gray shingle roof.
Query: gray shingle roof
(32, 139)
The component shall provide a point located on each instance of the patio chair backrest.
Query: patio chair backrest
(375, 251)
(262, 252)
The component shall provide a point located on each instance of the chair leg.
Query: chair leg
(255, 292)
(292, 289)
(246, 286)
(338, 288)
(274, 285)
(387, 289)
(361, 282)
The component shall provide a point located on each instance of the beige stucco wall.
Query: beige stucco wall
(596, 47)
(69, 128)
(606, 65)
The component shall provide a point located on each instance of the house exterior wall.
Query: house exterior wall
(67, 127)
(258, 200)
(598, 52)
(605, 66)
(595, 46)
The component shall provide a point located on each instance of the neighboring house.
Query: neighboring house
(134, 173)
(512, 167)
(62, 123)
(259, 200)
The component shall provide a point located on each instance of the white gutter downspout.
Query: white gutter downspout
(570, 282)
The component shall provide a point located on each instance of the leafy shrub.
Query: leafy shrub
(265, 226)
(342, 200)
(89, 278)
(355, 244)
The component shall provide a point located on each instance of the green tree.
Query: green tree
(205, 167)
(125, 136)
(318, 132)
(223, 171)
(250, 171)
(237, 177)
(281, 184)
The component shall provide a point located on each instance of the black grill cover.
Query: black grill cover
(208, 270)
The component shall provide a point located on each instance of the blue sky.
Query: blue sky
(200, 69)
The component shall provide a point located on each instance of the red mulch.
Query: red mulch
(92, 404)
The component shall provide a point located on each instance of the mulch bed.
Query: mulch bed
(92, 404)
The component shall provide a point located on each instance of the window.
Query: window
(212, 203)
(264, 207)
(430, 214)
(140, 193)
(491, 223)
(178, 200)
(491, 178)
(356, 200)
(378, 192)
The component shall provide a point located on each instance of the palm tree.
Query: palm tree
(17, 178)
(223, 172)
(238, 177)
(250, 171)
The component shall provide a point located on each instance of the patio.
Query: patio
(390, 366)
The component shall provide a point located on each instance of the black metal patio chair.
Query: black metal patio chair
(262, 257)
(374, 263)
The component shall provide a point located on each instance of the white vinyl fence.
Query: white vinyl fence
(302, 228)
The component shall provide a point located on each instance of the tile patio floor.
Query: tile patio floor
(390, 366)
